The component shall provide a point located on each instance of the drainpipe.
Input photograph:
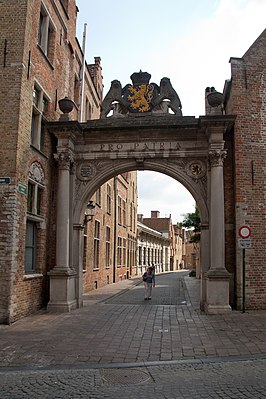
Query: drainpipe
(82, 74)
(115, 230)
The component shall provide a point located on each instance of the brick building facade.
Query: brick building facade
(245, 172)
(42, 63)
(111, 255)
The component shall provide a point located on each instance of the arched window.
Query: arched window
(34, 216)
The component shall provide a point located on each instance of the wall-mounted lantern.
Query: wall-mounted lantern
(89, 212)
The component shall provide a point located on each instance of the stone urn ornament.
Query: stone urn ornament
(215, 98)
(66, 106)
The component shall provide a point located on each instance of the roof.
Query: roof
(159, 224)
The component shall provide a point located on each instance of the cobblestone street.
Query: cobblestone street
(220, 379)
(119, 345)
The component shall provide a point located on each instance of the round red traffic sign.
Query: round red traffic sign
(244, 231)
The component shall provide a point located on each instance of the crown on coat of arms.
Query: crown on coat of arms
(140, 78)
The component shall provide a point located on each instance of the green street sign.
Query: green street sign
(22, 188)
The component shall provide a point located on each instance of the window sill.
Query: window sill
(96, 269)
(39, 151)
(35, 218)
(45, 56)
(32, 276)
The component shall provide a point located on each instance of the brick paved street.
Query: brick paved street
(222, 379)
(166, 343)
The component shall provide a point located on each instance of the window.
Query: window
(108, 200)
(133, 192)
(65, 5)
(119, 251)
(77, 88)
(124, 251)
(35, 189)
(46, 32)
(108, 247)
(98, 196)
(30, 249)
(34, 198)
(131, 216)
(88, 110)
(34, 211)
(124, 219)
(39, 110)
(96, 259)
(119, 210)
(85, 248)
(140, 256)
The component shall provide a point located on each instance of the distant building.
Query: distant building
(153, 249)
(110, 238)
(166, 228)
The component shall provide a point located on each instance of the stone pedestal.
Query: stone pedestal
(78, 248)
(62, 291)
(204, 259)
(217, 292)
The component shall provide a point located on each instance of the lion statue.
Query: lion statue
(113, 95)
(167, 92)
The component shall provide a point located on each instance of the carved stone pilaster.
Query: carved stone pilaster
(217, 278)
(217, 157)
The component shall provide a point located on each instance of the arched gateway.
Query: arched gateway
(140, 135)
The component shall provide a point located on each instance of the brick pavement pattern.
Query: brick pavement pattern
(107, 332)
(119, 345)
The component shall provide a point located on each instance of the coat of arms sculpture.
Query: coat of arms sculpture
(141, 98)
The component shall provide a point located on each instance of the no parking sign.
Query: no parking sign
(244, 232)
(244, 241)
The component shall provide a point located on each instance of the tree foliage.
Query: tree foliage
(192, 222)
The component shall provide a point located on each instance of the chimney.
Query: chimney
(140, 217)
(155, 214)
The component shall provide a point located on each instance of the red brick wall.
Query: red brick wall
(25, 64)
(93, 279)
(248, 102)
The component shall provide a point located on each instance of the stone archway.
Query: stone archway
(188, 149)
(141, 134)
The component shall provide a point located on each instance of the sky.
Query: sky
(188, 41)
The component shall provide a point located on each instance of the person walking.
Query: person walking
(149, 282)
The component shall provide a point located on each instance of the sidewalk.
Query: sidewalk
(101, 333)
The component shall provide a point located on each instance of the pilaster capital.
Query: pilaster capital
(65, 159)
(217, 157)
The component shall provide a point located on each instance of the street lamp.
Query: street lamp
(89, 212)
